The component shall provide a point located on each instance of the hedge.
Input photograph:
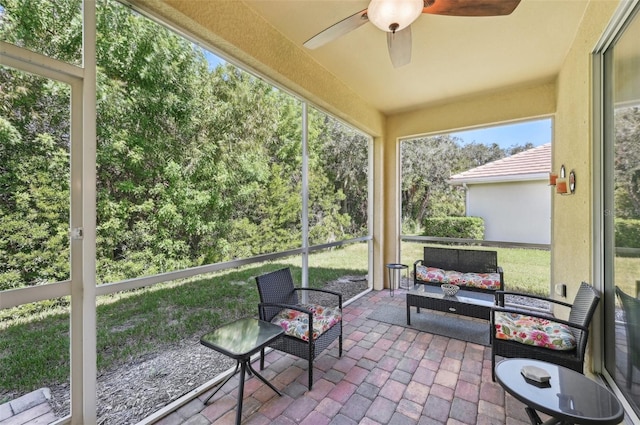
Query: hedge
(627, 233)
(454, 227)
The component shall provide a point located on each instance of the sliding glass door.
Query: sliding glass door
(621, 214)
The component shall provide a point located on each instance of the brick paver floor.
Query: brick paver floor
(387, 375)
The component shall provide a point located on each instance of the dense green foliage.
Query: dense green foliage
(627, 233)
(195, 164)
(627, 164)
(454, 227)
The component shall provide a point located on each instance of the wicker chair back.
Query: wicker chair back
(277, 288)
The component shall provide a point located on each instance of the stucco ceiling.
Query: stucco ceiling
(452, 57)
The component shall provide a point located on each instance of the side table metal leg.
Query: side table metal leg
(256, 374)
(222, 385)
(243, 370)
(533, 416)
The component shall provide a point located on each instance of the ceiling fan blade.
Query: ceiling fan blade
(337, 30)
(399, 44)
(470, 7)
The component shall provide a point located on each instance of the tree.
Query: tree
(427, 163)
(194, 165)
(34, 214)
(627, 162)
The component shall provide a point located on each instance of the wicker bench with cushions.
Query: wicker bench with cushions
(472, 270)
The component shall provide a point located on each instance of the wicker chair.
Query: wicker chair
(631, 308)
(582, 310)
(277, 293)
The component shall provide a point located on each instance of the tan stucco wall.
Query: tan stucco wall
(572, 216)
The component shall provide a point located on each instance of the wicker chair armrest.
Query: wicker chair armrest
(417, 262)
(500, 298)
(262, 306)
(537, 315)
(326, 291)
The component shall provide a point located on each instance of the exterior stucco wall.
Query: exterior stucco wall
(513, 211)
(572, 216)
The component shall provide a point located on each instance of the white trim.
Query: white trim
(15, 297)
(35, 63)
(499, 179)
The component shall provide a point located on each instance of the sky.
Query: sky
(212, 59)
(536, 132)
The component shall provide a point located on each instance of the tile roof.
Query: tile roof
(532, 164)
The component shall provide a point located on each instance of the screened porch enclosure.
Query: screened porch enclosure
(155, 159)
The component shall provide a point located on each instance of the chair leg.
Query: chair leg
(340, 341)
(629, 371)
(262, 359)
(312, 350)
(310, 373)
(493, 366)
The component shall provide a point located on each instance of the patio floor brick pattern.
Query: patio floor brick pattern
(387, 375)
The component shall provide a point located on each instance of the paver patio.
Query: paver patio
(387, 375)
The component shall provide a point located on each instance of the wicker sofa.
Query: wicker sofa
(470, 269)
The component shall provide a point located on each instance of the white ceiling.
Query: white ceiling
(452, 57)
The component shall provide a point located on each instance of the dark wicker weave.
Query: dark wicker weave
(631, 308)
(582, 310)
(277, 292)
(461, 260)
(470, 304)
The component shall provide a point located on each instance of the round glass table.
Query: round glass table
(569, 397)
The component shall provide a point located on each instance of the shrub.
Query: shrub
(627, 233)
(455, 227)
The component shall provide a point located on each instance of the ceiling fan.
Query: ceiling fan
(396, 16)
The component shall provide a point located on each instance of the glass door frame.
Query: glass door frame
(81, 286)
(603, 179)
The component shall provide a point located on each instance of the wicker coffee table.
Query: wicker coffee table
(464, 303)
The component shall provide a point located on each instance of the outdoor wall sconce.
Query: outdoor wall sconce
(563, 185)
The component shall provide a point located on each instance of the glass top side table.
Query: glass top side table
(240, 340)
(569, 397)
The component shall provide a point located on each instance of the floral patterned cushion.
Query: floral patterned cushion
(478, 280)
(296, 323)
(453, 277)
(430, 274)
(481, 280)
(534, 331)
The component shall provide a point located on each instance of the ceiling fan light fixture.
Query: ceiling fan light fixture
(394, 15)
